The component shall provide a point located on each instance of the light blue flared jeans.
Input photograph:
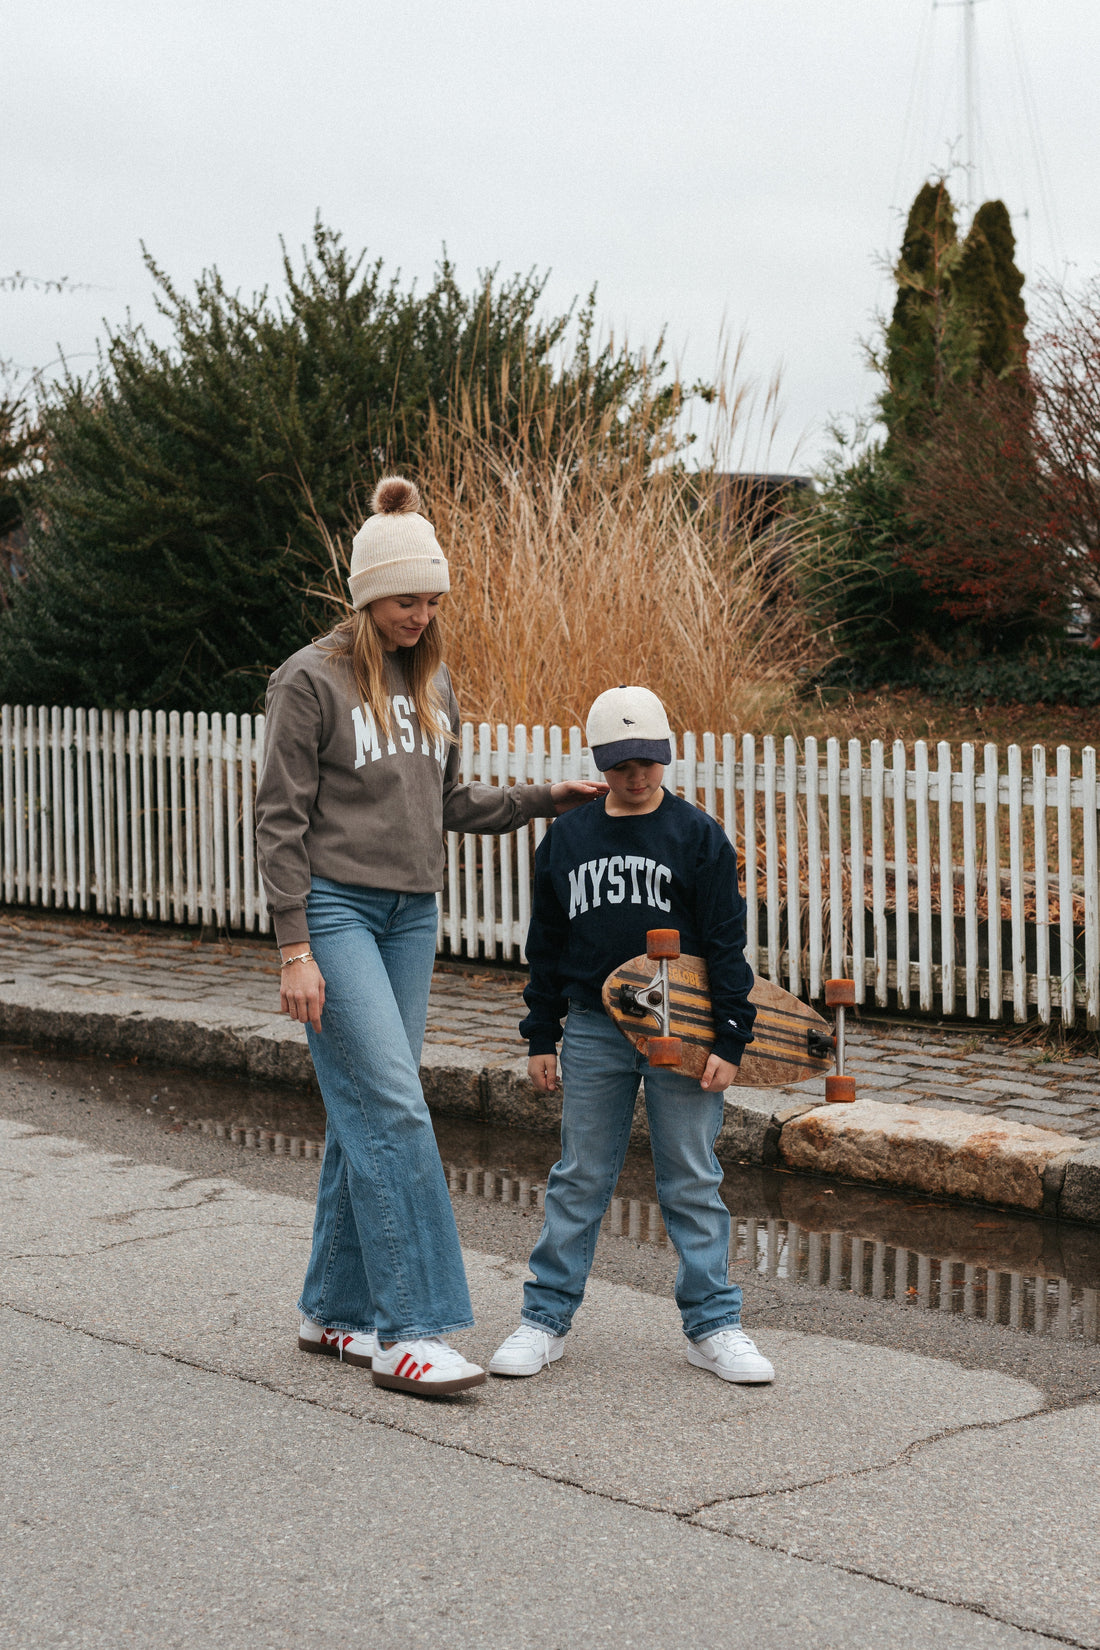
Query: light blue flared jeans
(385, 1254)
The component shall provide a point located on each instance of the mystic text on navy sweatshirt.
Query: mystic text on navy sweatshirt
(603, 880)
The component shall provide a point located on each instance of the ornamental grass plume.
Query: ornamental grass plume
(580, 557)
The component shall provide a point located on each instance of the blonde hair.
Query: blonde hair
(359, 640)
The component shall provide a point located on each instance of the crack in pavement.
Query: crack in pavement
(1049, 1407)
(689, 1518)
(903, 1587)
(144, 1237)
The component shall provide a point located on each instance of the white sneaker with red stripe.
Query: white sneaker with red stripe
(351, 1348)
(429, 1367)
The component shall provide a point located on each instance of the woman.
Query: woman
(360, 781)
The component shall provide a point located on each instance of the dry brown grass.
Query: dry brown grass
(577, 563)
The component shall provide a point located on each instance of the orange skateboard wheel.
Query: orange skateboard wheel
(662, 942)
(840, 994)
(663, 1051)
(839, 1090)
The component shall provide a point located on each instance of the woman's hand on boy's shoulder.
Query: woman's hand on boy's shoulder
(542, 1069)
(573, 793)
(718, 1074)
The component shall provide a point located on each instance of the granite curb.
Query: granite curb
(917, 1148)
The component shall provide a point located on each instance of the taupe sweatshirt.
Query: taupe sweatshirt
(336, 799)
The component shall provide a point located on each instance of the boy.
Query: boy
(636, 859)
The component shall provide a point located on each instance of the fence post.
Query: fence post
(81, 762)
(161, 748)
(488, 850)
(1092, 893)
(857, 879)
(469, 847)
(771, 859)
(1016, 882)
(1042, 896)
(878, 872)
(814, 869)
(507, 924)
(947, 878)
(993, 880)
(901, 873)
(95, 787)
(970, 881)
(147, 808)
(924, 876)
(752, 886)
(6, 758)
(1067, 973)
(178, 837)
(836, 860)
(133, 757)
(794, 867)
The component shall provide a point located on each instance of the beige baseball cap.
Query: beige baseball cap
(628, 723)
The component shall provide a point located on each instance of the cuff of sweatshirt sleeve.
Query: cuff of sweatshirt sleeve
(292, 926)
(544, 1043)
(534, 802)
(727, 1049)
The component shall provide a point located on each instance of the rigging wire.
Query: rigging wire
(1042, 174)
(917, 86)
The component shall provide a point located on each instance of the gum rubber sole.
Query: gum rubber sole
(427, 1389)
(327, 1350)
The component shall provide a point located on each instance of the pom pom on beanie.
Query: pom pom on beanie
(394, 496)
(395, 552)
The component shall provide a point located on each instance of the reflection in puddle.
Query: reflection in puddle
(264, 1140)
(1039, 1304)
(1035, 1276)
(866, 1266)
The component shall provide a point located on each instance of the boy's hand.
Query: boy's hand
(718, 1074)
(542, 1069)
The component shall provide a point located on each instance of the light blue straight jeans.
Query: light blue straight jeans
(386, 1255)
(601, 1072)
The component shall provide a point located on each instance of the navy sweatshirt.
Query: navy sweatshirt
(602, 880)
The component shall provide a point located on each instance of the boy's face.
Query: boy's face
(634, 787)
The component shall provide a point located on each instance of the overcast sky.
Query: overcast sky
(743, 164)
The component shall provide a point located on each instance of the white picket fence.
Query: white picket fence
(861, 863)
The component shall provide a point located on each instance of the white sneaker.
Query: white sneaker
(429, 1367)
(730, 1355)
(527, 1350)
(337, 1343)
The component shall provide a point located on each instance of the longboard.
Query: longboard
(791, 1041)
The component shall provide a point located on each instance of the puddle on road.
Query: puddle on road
(1038, 1277)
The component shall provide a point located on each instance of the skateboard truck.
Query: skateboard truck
(840, 994)
(662, 946)
(654, 1000)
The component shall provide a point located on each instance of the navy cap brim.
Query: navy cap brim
(631, 750)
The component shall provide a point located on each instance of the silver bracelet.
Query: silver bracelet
(303, 956)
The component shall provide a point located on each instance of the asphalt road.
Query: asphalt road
(179, 1475)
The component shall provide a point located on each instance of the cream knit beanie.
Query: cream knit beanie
(395, 552)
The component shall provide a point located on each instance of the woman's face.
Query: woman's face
(402, 620)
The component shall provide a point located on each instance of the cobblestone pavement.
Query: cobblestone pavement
(975, 1070)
